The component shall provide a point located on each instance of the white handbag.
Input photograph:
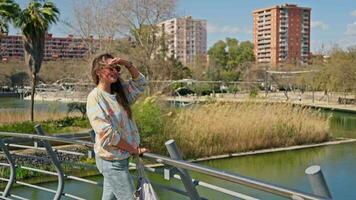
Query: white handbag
(144, 187)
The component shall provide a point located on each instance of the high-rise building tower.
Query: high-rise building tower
(186, 38)
(282, 34)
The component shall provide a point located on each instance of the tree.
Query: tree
(341, 68)
(179, 71)
(336, 73)
(96, 19)
(141, 18)
(218, 54)
(200, 67)
(232, 52)
(245, 52)
(8, 10)
(229, 59)
(34, 22)
(132, 26)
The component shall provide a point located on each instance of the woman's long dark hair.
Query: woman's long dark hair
(117, 87)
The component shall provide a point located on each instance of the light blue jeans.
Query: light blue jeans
(118, 183)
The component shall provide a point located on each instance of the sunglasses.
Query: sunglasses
(112, 68)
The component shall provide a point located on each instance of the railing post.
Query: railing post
(91, 153)
(55, 161)
(12, 177)
(92, 135)
(317, 181)
(186, 179)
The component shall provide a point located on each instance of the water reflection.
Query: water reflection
(343, 124)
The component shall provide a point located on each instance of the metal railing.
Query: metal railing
(178, 169)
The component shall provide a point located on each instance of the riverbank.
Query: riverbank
(61, 96)
(240, 98)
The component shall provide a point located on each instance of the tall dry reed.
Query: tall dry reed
(220, 128)
(13, 116)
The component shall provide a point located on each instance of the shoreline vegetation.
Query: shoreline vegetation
(204, 130)
(208, 129)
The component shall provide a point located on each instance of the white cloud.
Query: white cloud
(351, 29)
(319, 25)
(227, 29)
(353, 13)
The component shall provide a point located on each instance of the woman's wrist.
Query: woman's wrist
(139, 151)
(135, 151)
(128, 64)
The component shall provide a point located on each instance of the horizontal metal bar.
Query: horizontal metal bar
(5, 198)
(5, 164)
(235, 178)
(43, 149)
(83, 180)
(4, 179)
(219, 189)
(67, 176)
(38, 170)
(207, 185)
(43, 189)
(18, 197)
(72, 196)
(225, 191)
(48, 160)
(30, 185)
(69, 152)
(49, 138)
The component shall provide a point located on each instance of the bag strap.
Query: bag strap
(140, 167)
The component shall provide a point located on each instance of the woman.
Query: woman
(110, 115)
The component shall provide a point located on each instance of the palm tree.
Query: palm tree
(34, 22)
(8, 11)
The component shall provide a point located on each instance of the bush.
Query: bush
(151, 122)
(233, 89)
(253, 93)
(77, 106)
(148, 116)
(67, 124)
(204, 89)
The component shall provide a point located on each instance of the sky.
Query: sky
(333, 21)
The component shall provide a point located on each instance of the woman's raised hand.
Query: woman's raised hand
(120, 61)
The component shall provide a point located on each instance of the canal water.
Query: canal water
(338, 163)
(18, 104)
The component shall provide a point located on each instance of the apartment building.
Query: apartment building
(55, 47)
(185, 37)
(282, 34)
